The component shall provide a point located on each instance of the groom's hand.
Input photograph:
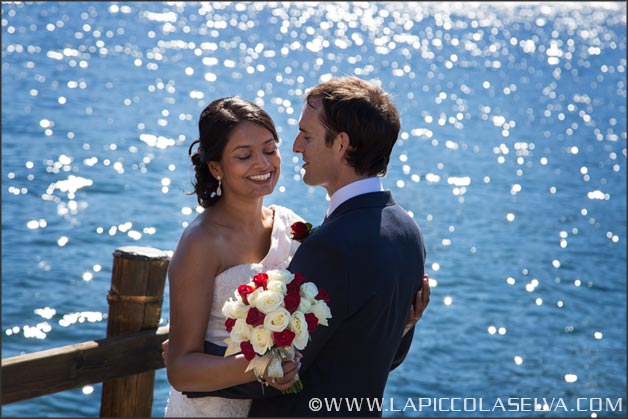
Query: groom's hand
(164, 351)
(421, 302)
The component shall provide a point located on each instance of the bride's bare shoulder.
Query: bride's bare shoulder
(199, 239)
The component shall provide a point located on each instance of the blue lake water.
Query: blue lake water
(511, 159)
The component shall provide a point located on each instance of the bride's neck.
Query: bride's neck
(245, 214)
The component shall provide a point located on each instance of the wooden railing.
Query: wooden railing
(125, 361)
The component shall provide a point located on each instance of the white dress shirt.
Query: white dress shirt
(353, 189)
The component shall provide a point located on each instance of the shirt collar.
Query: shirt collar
(353, 189)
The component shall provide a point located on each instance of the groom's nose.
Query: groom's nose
(297, 145)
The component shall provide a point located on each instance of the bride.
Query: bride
(237, 163)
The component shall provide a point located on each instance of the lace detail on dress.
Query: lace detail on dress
(179, 406)
(282, 249)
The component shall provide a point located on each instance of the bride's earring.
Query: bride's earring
(219, 189)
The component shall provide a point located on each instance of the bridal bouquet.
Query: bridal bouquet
(270, 317)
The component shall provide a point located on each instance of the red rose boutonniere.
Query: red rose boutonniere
(300, 230)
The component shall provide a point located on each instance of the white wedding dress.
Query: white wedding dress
(282, 248)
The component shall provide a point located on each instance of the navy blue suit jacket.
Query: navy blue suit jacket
(369, 256)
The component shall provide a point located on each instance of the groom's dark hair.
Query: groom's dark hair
(366, 114)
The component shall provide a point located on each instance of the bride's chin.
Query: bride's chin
(263, 191)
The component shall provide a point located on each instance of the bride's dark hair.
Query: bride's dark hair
(215, 125)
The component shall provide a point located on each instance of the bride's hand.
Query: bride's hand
(420, 304)
(164, 351)
(290, 374)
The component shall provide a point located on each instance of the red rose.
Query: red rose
(322, 295)
(247, 350)
(298, 279)
(293, 288)
(255, 317)
(284, 338)
(261, 280)
(229, 323)
(245, 290)
(292, 301)
(312, 322)
(300, 230)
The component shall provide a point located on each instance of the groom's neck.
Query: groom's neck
(344, 180)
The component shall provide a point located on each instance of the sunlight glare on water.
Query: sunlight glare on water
(511, 158)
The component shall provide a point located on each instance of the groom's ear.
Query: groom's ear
(342, 143)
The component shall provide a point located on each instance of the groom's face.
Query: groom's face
(319, 161)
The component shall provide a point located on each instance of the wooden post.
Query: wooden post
(137, 288)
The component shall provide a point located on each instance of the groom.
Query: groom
(368, 254)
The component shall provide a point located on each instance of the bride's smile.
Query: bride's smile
(261, 178)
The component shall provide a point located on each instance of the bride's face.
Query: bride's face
(250, 163)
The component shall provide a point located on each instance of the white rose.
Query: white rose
(277, 286)
(305, 306)
(252, 297)
(321, 311)
(268, 301)
(309, 290)
(277, 320)
(298, 325)
(234, 309)
(261, 339)
(241, 331)
(282, 275)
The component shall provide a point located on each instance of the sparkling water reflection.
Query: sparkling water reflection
(512, 159)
